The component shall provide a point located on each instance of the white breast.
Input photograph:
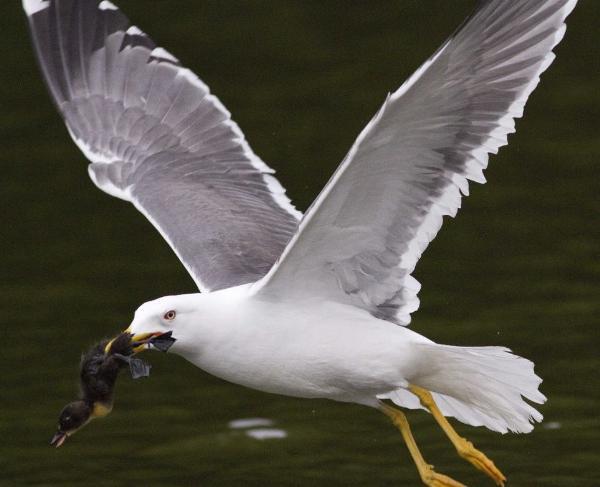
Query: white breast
(309, 349)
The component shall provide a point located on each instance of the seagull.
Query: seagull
(314, 305)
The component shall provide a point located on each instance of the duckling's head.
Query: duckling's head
(74, 415)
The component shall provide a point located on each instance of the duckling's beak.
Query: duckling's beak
(59, 438)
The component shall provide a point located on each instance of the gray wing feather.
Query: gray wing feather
(361, 239)
(156, 137)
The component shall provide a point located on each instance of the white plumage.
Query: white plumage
(307, 308)
(319, 348)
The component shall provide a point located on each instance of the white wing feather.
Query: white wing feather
(158, 138)
(361, 239)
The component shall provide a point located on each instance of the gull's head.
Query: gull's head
(172, 315)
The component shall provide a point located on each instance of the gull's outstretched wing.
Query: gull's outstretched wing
(156, 137)
(363, 235)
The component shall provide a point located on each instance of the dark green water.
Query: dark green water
(519, 266)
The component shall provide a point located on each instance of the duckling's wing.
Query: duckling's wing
(157, 138)
(363, 235)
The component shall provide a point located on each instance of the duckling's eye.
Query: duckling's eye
(170, 315)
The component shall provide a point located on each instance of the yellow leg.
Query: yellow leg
(428, 476)
(464, 447)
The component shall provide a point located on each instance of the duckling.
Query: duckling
(99, 369)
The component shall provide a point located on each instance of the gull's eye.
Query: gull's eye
(170, 315)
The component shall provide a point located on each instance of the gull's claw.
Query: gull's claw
(434, 479)
(478, 459)
(464, 447)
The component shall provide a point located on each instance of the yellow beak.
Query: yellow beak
(141, 338)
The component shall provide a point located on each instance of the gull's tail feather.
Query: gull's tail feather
(480, 386)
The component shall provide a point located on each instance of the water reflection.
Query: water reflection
(244, 423)
(266, 433)
(258, 428)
